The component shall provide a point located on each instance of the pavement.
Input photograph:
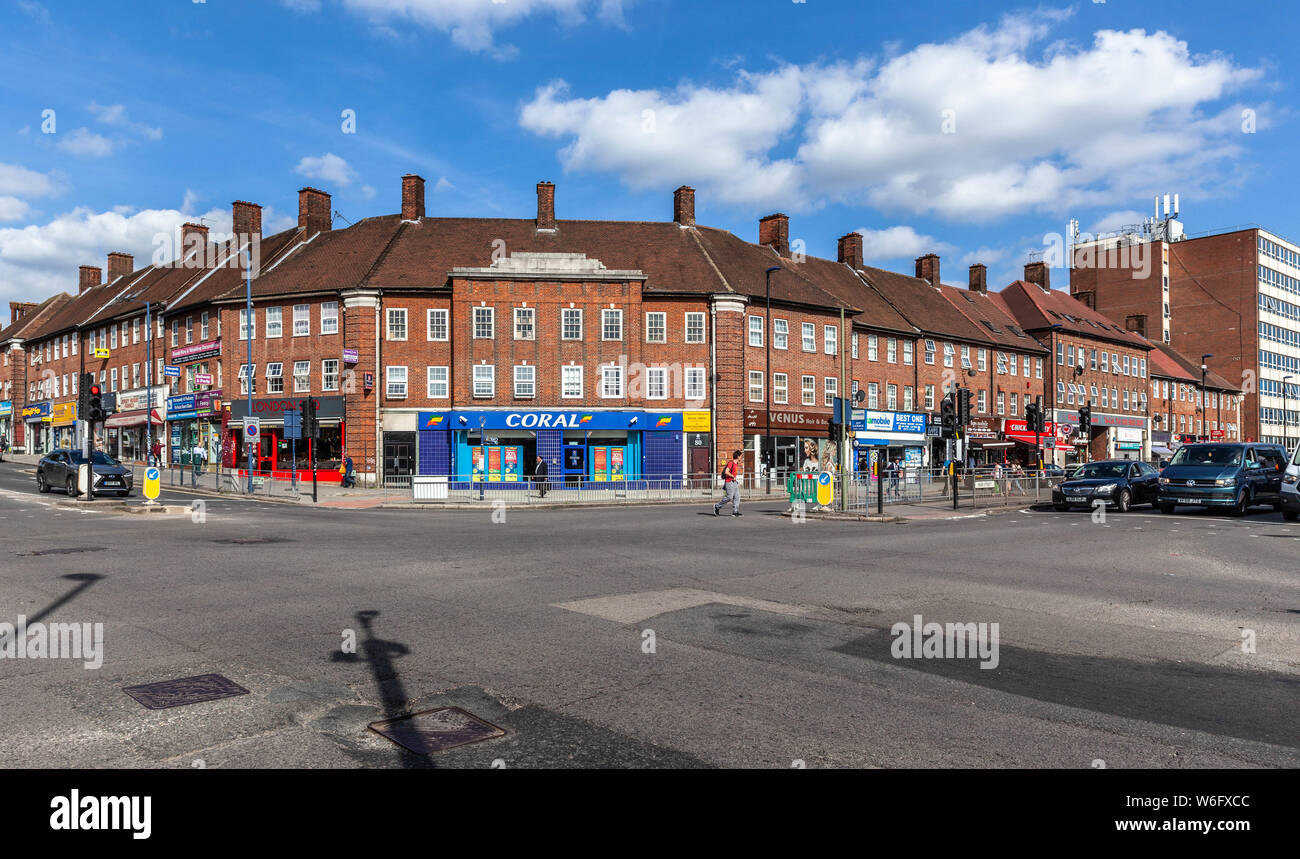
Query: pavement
(652, 636)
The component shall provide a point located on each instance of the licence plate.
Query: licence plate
(1189, 501)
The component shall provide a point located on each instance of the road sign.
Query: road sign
(825, 489)
(293, 424)
(252, 430)
(152, 482)
(101, 353)
(171, 371)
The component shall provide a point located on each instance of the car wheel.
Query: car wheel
(72, 487)
(1291, 515)
(41, 484)
(1243, 502)
(1166, 508)
(1123, 502)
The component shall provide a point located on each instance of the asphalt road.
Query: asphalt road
(769, 641)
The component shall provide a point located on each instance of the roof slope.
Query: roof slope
(992, 316)
(36, 318)
(1037, 309)
(925, 307)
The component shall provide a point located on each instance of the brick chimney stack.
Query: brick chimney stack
(412, 197)
(684, 206)
(850, 250)
(774, 231)
(90, 276)
(545, 206)
(314, 212)
(979, 278)
(119, 265)
(1038, 273)
(247, 219)
(194, 243)
(19, 309)
(927, 268)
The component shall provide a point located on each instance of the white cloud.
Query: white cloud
(86, 143)
(1074, 126)
(443, 185)
(900, 242)
(189, 201)
(472, 24)
(13, 209)
(19, 180)
(115, 115)
(1116, 220)
(39, 260)
(327, 168)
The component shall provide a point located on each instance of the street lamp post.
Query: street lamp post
(767, 382)
(1286, 424)
(248, 368)
(1205, 427)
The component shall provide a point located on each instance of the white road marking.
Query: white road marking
(636, 607)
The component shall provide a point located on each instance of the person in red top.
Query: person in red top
(731, 486)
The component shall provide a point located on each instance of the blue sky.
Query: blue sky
(971, 129)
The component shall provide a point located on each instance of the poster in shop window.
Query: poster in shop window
(476, 456)
(616, 463)
(599, 462)
(494, 464)
(510, 471)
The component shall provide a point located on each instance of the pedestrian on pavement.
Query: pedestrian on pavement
(4, 447)
(198, 458)
(540, 473)
(349, 477)
(893, 477)
(155, 455)
(730, 486)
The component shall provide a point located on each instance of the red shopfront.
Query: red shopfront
(1018, 431)
(276, 455)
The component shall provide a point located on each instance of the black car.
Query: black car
(60, 469)
(1121, 482)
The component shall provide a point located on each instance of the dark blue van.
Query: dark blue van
(1227, 476)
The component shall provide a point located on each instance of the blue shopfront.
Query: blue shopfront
(587, 449)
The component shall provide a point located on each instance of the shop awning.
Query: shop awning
(994, 444)
(1161, 450)
(131, 419)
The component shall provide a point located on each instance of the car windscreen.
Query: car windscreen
(1094, 470)
(1207, 454)
(100, 458)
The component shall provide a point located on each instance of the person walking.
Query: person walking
(540, 473)
(4, 447)
(349, 478)
(730, 486)
(893, 477)
(198, 458)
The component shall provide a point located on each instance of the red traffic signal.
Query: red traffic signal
(95, 390)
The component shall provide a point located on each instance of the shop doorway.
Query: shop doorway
(399, 456)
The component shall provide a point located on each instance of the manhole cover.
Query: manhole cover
(186, 690)
(73, 550)
(436, 730)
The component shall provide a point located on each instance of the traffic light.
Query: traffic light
(83, 395)
(963, 406)
(95, 402)
(948, 413)
(1034, 418)
(1085, 419)
(309, 426)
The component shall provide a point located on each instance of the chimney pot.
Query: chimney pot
(774, 231)
(850, 250)
(979, 278)
(1037, 273)
(119, 265)
(545, 206)
(314, 212)
(90, 276)
(684, 206)
(247, 219)
(19, 309)
(412, 197)
(927, 268)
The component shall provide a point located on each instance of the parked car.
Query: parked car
(60, 468)
(1291, 488)
(1229, 476)
(1120, 482)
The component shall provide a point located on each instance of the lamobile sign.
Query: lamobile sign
(196, 352)
(895, 422)
(274, 409)
(535, 420)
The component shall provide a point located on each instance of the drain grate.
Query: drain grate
(186, 690)
(436, 730)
